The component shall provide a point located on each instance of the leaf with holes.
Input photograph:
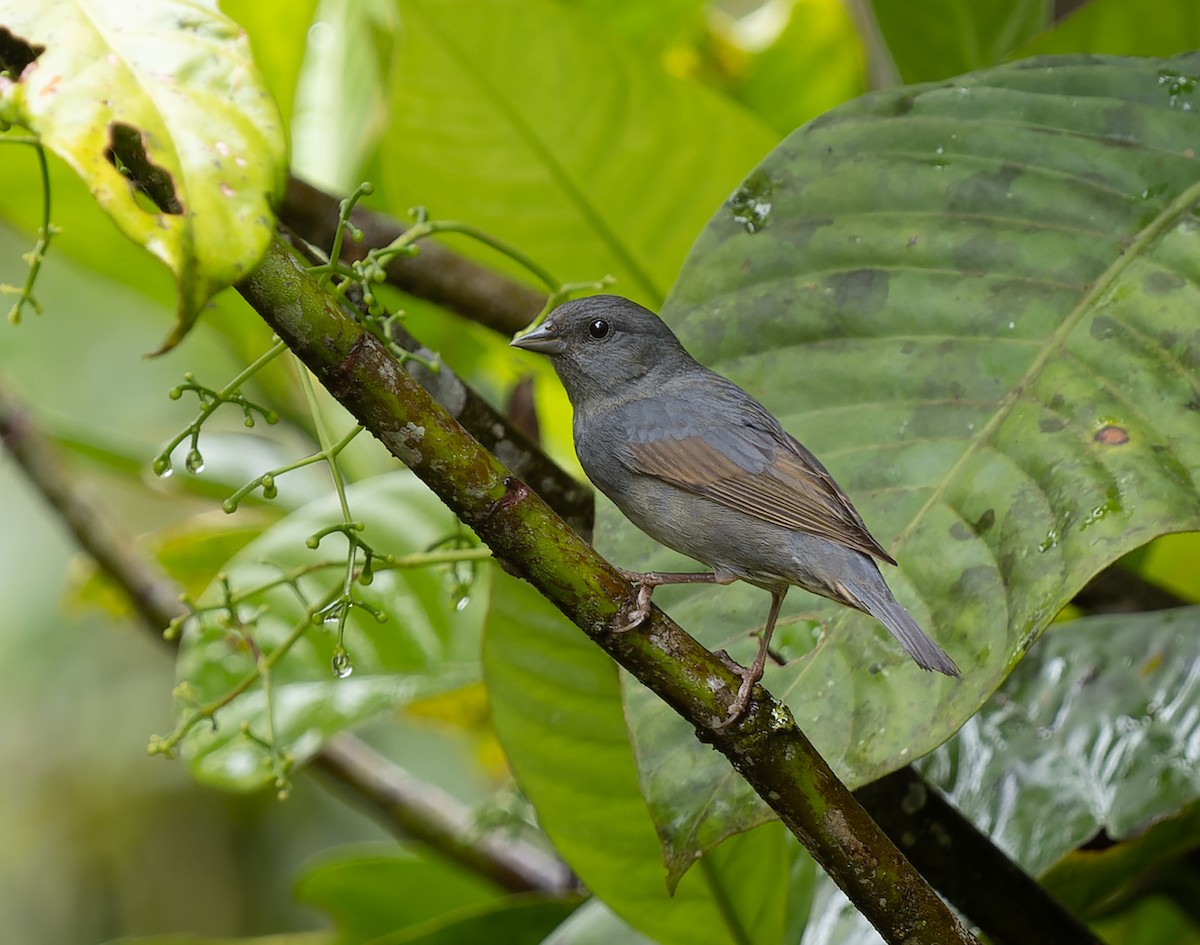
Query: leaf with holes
(975, 301)
(166, 93)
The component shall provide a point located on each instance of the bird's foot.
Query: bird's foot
(741, 702)
(639, 613)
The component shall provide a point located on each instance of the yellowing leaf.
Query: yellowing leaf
(165, 92)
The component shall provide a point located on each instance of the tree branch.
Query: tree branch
(416, 810)
(408, 807)
(766, 747)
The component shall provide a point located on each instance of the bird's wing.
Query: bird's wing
(758, 469)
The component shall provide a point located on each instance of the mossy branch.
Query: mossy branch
(766, 747)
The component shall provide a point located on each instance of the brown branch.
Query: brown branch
(766, 747)
(416, 810)
(408, 807)
(154, 597)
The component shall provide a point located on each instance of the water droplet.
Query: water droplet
(162, 468)
(195, 462)
(1050, 541)
(462, 602)
(750, 203)
(341, 665)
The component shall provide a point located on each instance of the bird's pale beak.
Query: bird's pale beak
(542, 339)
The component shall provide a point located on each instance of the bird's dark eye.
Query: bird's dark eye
(598, 328)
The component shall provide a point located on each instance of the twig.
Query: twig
(437, 274)
(423, 812)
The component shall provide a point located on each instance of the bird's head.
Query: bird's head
(602, 343)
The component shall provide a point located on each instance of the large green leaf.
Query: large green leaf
(556, 706)
(595, 161)
(975, 301)
(428, 645)
(1119, 27)
(171, 85)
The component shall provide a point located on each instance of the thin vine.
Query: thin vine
(45, 231)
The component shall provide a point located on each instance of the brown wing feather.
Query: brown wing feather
(793, 491)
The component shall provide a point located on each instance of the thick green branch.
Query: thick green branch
(767, 748)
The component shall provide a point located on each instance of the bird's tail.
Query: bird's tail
(880, 604)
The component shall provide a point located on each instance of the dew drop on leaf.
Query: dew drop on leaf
(342, 667)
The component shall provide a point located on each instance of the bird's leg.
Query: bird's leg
(647, 581)
(752, 675)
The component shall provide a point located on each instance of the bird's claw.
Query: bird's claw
(741, 701)
(639, 613)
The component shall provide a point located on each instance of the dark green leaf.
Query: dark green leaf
(975, 302)
(1098, 730)
(375, 892)
(516, 920)
(941, 38)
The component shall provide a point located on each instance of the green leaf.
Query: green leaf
(1152, 920)
(942, 38)
(287, 938)
(557, 711)
(376, 891)
(975, 302)
(516, 920)
(596, 161)
(278, 31)
(427, 646)
(594, 923)
(168, 89)
(1120, 28)
(1098, 730)
(341, 93)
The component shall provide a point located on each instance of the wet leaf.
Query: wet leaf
(1096, 731)
(975, 302)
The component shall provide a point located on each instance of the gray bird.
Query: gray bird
(702, 467)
